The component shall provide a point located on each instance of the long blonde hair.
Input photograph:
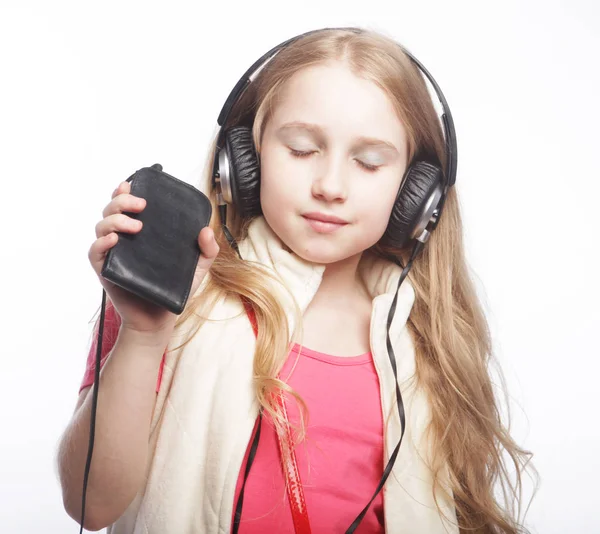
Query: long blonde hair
(447, 323)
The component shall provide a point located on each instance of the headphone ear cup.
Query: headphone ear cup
(420, 182)
(245, 171)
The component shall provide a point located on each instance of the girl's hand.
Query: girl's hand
(136, 313)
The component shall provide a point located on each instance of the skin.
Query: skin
(334, 145)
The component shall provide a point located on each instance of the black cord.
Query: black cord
(251, 455)
(254, 447)
(230, 238)
(388, 468)
(88, 462)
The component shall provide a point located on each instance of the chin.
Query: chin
(322, 253)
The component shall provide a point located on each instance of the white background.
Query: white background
(90, 93)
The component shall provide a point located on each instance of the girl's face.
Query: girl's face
(333, 146)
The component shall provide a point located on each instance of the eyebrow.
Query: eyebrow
(318, 132)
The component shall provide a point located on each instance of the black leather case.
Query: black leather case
(158, 262)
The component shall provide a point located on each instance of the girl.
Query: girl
(276, 407)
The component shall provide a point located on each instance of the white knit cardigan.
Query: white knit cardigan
(205, 409)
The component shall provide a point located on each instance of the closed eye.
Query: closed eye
(367, 166)
(300, 154)
(304, 154)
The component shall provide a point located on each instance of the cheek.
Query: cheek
(377, 200)
(275, 182)
(281, 177)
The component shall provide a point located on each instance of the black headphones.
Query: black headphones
(416, 213)
(421, 196)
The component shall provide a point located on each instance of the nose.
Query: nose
(330, 183)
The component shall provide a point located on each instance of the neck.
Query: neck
(341, 281)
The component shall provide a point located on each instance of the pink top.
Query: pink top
(341, 459)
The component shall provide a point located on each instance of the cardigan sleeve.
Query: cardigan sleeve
(112, 322)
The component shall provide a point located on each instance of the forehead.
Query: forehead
(342, 103)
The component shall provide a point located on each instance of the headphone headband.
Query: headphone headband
(259, 64)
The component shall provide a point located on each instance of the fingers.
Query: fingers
(123, 201)
(114, 220)
(100, 247)
(117, 223)
(123, 187)
(207, 243)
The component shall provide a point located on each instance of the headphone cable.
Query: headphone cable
(88, 462)
(388, 468)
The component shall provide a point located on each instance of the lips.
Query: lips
(323, 223)
(324, 217)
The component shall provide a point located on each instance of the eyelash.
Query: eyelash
(365, 166)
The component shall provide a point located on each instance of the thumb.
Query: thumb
(207, 243)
